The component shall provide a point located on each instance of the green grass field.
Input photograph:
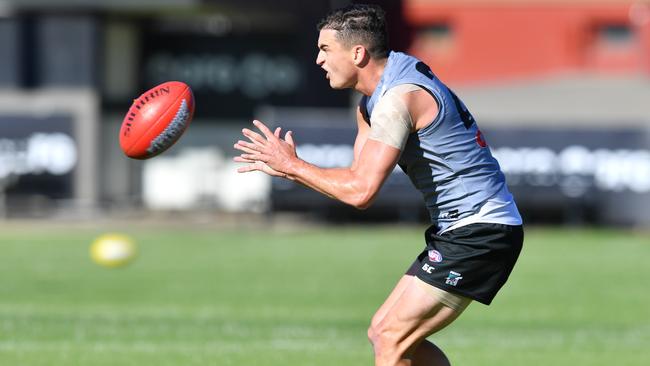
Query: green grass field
(304, 296)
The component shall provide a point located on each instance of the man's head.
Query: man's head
(349, 38)
(359, 24)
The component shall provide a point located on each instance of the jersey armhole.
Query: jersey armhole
(436, 120)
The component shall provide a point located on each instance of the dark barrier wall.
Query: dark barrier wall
(577, 175)
(235, 65)
(593, 175)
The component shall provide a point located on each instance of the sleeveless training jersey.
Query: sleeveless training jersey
(448, 160)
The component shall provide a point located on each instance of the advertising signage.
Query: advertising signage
(38, 156)
(231, 75)
(569, 175)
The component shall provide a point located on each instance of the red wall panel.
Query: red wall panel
(491, 43)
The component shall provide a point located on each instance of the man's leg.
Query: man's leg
(426, 353)
(400, 326)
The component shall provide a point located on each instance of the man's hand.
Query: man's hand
(268, 153)
(356, 185)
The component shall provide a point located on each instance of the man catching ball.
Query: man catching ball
(407, 116)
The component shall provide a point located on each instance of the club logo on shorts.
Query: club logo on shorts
(453, 278)
(435, 256)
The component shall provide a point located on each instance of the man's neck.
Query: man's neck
(370, 76)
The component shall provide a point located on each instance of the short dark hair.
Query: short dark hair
(363, 24)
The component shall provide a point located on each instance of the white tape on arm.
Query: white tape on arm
(391, 121)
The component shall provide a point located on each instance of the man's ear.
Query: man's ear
(359, 55)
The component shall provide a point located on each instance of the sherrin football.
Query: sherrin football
(156, 120)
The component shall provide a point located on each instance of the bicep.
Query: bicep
(376, 162)
(374, 159)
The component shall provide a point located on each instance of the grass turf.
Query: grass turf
(305, 296)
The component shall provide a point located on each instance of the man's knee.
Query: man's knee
(372, 334)
(384, 343)
(373, 328)
(378, 332)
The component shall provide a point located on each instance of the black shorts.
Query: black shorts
(472, 261)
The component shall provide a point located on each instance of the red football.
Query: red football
(156, 120)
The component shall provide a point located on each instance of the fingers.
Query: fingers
(255, 157)
(247, 168)
(259, 166)
(246, 147)
(258, 139)
(239, 159)
(261, 149)
(251, 167)
(288, 137)
(265, 130)
(253, 136)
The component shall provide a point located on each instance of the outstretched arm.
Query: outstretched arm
(356, 185)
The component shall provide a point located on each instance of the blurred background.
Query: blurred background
(560, 88)
(239, 269)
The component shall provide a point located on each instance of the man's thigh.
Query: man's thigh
(417, 310)
(413, 315)
(392, 298)
(454, 301)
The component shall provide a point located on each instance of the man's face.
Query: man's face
(336, 60)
